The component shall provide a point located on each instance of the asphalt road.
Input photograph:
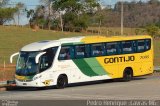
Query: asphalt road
(141, 88)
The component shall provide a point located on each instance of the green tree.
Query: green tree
(50, 14)
(158, 24)
(152, 30)
(75, 12)
(37, 17)
(6, 14)
(30, 13)
(19, 7)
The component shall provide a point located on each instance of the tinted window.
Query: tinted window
(112, 48)
(46, 60)
(97, 49)
(140, 45)
(80, 51)
(87, 50)
(66, 53)
(127, 47)
(134, 44)
(148, 44)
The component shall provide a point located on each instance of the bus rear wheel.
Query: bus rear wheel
(127, 75)
(62, 82)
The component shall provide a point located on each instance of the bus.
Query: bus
(83, 59)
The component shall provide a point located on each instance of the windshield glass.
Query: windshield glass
(26, 65)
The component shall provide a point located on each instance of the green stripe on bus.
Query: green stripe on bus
(77, 43)
(96, 67)
(67, 44)
(29, 77)
(84, 67)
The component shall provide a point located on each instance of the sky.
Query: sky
(31, 4)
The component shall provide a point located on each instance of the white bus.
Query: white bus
(81, 59)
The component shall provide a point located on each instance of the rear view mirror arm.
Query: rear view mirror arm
(11, 57)
(37, 57)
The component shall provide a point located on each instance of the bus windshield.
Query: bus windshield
(26, 65)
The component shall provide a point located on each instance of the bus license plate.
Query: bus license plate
(24, 83)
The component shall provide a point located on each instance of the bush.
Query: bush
(152, 30)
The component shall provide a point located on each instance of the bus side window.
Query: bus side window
(87, 51)
(50, 54)
(44, 63)
(141, 45)
(66, 53)
(127, 47)
(97, 49)
(46, 60)
(148, 44)
(80, 51)
(112, 48)
(134, 46)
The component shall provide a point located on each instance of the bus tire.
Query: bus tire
(62, 82)
(127, 75)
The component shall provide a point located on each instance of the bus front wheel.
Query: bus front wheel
(62, 82)
(127, 75)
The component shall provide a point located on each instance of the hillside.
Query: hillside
(136, 14)
(13, 38)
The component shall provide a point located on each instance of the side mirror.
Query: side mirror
(38, 56)
(11, 57)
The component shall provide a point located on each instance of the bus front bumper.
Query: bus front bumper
(35, 83)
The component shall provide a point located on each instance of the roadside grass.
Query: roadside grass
(12, 39)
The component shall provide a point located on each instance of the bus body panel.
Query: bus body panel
(93, 68)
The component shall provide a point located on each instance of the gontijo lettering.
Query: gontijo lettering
(119, 59)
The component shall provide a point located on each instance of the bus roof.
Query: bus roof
(42, 45)
(94, 39)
